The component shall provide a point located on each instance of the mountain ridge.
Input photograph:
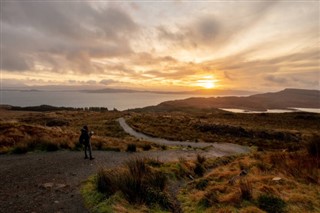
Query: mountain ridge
(287, 98)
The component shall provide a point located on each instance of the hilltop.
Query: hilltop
(287, 98)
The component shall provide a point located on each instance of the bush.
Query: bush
(164, 147)
(20, 149)
(57, 122)
(271, 204)
(146, 147)
(246, 190)
(131, 148)
(199, 169)
(137, 182)
(202, 184)
(106, 182)
(201, 159)
(209, 199)
(313, 146)
(51, 147)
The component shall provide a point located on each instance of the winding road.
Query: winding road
(211, 149)
(50, 182)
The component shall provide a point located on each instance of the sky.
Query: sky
(160, 45)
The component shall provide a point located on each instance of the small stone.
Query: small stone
(46, 185)
(276, 178)
(56, 201)
(61, 185)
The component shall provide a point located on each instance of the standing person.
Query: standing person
(85, 140)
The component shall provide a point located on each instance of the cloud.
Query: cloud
(275, 79)
(239, 42)
(14, 61)
(107, 81)
(214, 32)
(63, 36)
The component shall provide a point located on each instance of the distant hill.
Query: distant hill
(299, 98)
(212, 92)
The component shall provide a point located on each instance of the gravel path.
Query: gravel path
(50, 182)
(212, 149)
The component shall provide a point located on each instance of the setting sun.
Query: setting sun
(208, 85)
(207, 82)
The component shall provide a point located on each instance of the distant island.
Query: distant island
(213, 92)
(287, 98)
(220, 99)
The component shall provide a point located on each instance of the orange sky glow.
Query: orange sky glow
(171, 45)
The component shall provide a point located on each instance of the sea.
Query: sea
(119, 101)
(78, 99)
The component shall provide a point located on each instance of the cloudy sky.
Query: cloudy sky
(161, 45)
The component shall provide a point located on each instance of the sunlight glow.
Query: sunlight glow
(207, 82)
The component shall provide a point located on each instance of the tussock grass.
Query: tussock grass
(138, 183)
(257, 191)
(245, 189)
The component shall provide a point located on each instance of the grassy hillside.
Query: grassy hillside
(282, 178)
(273, 182)
(23, 131)
(268, 131)
(278, 100)
(282, 175)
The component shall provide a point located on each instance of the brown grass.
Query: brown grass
(298, 190)
(21, 132)
(267, 131)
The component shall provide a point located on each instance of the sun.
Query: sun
(207, 83)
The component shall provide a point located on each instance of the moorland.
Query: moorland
(40, 146)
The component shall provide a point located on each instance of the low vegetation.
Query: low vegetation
(136, 186)
(266, 131)
(23, 132)
(282, 175)
(272, 182)
(257, 182)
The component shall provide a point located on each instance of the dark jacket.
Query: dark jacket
(84, 137)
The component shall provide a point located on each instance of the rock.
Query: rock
(46, 185)
(276, 178)
(61, 185)
(56, 201)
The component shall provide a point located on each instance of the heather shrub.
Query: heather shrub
(271, 203)
(131, 148)
(146, 147)
(199, 169)
(209, 199)
(313, 146)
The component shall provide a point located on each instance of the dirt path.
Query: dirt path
(212, 149)
(50, 182)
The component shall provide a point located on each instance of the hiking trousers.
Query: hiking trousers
(87, 146)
